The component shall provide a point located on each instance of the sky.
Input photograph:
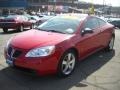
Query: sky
(108, 2)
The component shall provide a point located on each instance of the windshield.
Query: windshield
(60, 24)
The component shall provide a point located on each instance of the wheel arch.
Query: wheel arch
(71, 49)
(74, 50)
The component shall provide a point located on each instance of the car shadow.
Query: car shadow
(20, 80)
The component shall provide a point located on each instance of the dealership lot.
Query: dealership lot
(100, 71)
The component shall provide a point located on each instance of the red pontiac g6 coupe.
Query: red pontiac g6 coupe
(55, 46)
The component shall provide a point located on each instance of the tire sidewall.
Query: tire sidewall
(32, 26)
(21, 28)
(113, 43)
(108, 46)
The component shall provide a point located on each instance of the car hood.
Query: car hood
(35, 38)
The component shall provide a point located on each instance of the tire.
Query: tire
(67, 64)
(110, 45)
(32, 26)
(21, 28)
(5, 30)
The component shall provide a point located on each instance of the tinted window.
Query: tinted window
(91, 23)
(24, 18)
(101, 22)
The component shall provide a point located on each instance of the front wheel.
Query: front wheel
(110, 45)
(67, 64)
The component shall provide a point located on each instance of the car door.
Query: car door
(106, 32)
(90, 42)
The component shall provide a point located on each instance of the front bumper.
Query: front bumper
(43, 65)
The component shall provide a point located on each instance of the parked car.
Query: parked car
(45, 18)
(18, 22)
(35, 20)
(115, 22)
(56, 45)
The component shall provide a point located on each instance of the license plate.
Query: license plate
(9, 62)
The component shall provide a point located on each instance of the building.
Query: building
(49, 5)
(6, 6)
(53, 5)
(13, 4)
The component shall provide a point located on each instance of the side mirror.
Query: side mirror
(87, 30)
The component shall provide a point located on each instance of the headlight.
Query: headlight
(40, 52)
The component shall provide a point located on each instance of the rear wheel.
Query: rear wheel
(21, 28)
(32, 26)
(67, 63)
(5, 30)
(111, 44)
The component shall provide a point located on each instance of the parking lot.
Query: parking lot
(101, 71)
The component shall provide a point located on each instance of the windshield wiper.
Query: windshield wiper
(55, 31)
(41, 29)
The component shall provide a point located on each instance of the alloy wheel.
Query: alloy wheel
(68, 63)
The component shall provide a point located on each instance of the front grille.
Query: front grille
(14, 52)
(17, 53)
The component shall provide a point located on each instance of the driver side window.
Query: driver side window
(25, 18)
(91, 23)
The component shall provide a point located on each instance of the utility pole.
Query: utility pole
(103, 7)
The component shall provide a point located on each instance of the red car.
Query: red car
(18, 22)
(56, 45)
